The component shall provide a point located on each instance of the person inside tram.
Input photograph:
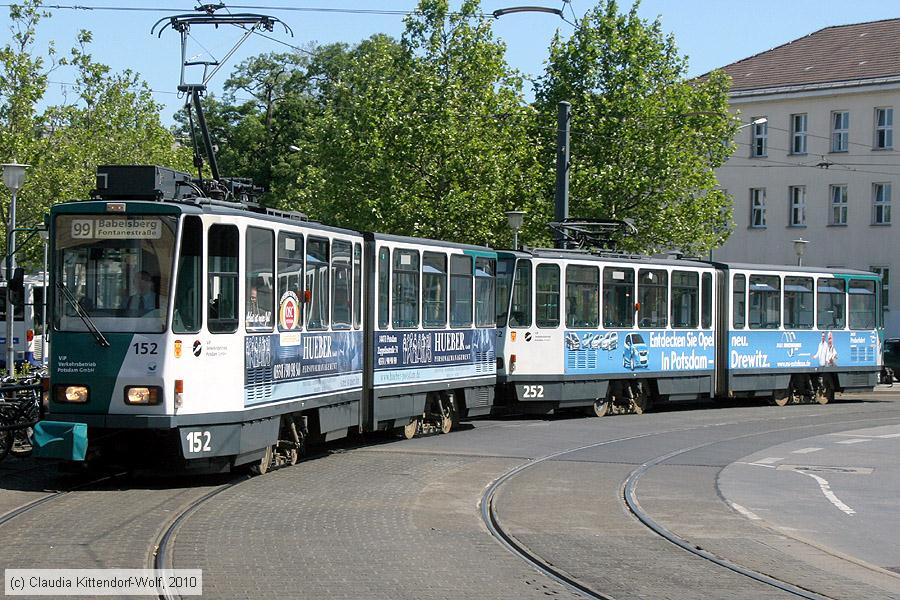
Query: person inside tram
(146, 298)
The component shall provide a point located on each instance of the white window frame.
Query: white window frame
(840, 131)
(797, 206)
(759, 138)
(799, 127)
(884, 132)
(839, 204)
(758, 207)
(881, 203)
(885, 273)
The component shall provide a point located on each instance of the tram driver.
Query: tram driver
(146, 298)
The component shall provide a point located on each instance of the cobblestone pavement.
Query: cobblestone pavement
(401, 519)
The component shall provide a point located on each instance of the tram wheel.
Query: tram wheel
(825, 393)
(264, 464)
(640, 402)
(600, 408)
(409, 432)
(781, 397)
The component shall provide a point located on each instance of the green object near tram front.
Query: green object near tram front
(55, 439)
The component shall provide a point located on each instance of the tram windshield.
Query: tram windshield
(118, 268)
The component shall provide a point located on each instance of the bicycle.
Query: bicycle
(20, 410)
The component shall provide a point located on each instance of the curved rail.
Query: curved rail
(10, 515)
(491, 520)
(160, 549)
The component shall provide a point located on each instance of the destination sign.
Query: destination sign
(117, 228)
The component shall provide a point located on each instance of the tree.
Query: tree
(428, 136)
(645, 140)
(106, 118)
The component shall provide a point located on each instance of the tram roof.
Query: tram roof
(427, 242)
(791, 268)
(605, 257)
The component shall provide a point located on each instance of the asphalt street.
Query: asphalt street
(390, 518)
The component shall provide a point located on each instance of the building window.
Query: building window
(797, 194)
(885, 273)
(840, 131)
(881, 204)
(884, 128)
(798, 134)
(760, 135)
(758, 207)
(838, 205)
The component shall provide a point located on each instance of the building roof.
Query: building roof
(834, 54)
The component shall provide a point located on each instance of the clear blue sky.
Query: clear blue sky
(711, 33)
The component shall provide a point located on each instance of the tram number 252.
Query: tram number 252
(533, 391)
(198, 441)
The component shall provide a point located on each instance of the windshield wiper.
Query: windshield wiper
(85, 318)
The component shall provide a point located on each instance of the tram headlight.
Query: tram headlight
(142, 395)
(73, 394)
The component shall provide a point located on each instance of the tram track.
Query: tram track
(160, 555)
(491, 519)
(28, 506)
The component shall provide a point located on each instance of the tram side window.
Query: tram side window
(406, 289)
(685, 299)
(798, 302)
(317, 283)
(484, 291)
(384, 288)
(342, 286)
(706, 299)
(260, 269)
(618, 297)
(832, 302)
(582, 296)
(461, 291)
(434, 290)
(505, 269)
(357, 286)
(653, 296)
(765, 302)
(520, 309)
(547, 295)
(862, 304)
(187, 315)
(222, 271)
(290, 280)
(739, 301)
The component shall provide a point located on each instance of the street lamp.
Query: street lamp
(515, 218)
(799, 249)
(13, 178)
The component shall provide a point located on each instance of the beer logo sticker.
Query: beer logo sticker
(289, 311)
(197, 348)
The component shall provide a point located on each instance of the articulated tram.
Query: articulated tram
(196, 333)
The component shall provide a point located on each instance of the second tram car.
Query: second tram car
(612, 333)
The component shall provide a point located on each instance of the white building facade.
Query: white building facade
(816, 161)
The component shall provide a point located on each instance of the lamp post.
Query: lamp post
(13, 178)
(515, 218)
(799, 249)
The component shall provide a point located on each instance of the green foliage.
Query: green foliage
(105, 118)
(645, 140)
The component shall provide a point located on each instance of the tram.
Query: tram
(208, 334)
(610, 333)
(28, 322)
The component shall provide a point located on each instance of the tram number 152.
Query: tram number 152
(198, 441)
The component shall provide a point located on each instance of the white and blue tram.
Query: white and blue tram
(615, 333)
(199, 333)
